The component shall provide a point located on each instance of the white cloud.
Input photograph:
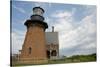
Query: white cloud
(41, 4)
(71, 37)
(17, 40)
(62, 19)
(38, 4)
(61, 14)
(19, 9)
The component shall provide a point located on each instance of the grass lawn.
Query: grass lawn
(72, 59)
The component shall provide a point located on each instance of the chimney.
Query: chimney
(52, 28)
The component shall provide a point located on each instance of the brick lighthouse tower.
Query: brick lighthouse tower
(34, 47)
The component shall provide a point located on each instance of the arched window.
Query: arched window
(53, 53)
(30, 50)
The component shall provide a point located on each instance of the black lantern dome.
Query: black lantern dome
(37, 14)
(38, 11)
(37, 18)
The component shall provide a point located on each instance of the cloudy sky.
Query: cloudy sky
(76, 25)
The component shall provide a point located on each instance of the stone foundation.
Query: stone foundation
(32, 61)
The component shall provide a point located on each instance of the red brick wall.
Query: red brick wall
(35, 38)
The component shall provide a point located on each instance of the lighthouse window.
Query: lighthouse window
(30, 50)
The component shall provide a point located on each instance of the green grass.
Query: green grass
(72, 59)
(75, 59)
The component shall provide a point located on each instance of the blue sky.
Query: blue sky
(76, 25)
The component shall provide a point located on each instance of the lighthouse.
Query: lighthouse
(34, 46)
